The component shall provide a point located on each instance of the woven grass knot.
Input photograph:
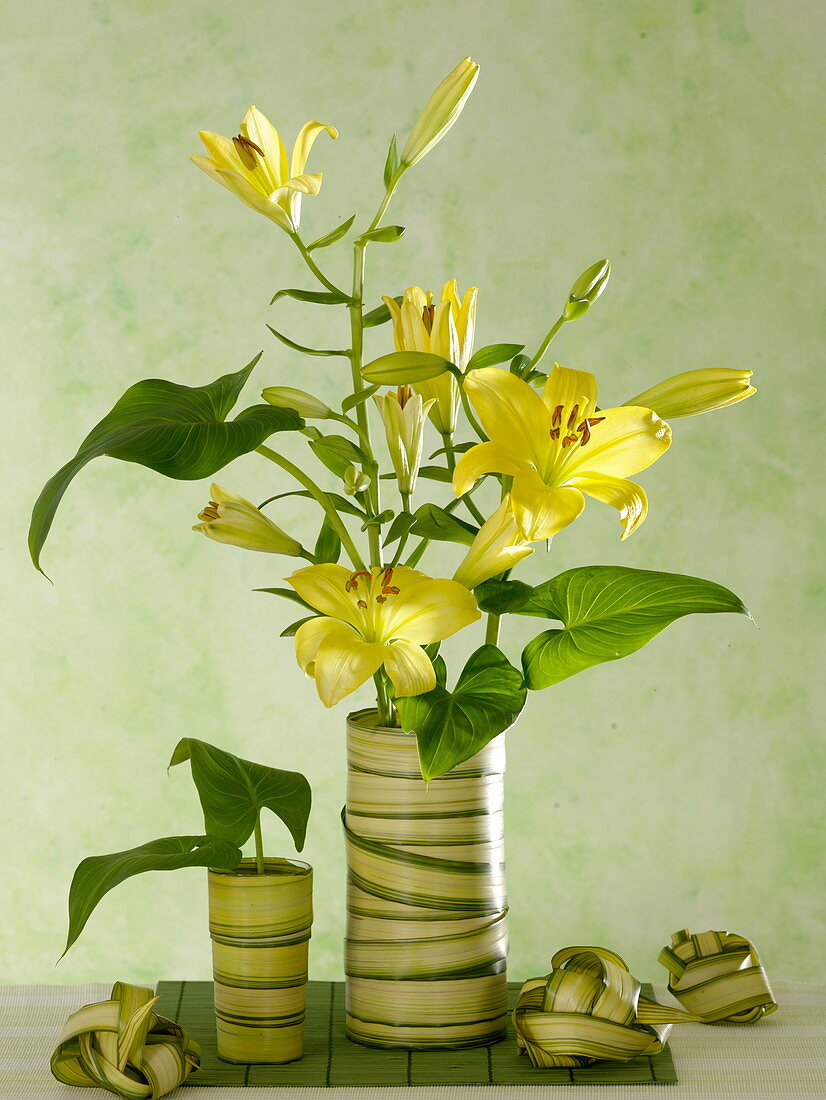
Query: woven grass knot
(588, 1009)
(123, 1046)
(717, 976)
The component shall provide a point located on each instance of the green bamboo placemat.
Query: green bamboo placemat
(331, 1059)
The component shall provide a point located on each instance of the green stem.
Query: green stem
(492, 629)
(259, 846)
(313, 266)
(474, 423)
(450, 459)
(543, 347)
(321, 497)
(384, 707)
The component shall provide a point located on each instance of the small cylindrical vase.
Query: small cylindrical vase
(260, 930)
(426, 945)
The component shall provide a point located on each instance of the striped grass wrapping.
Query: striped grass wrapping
(122, 1045)
(717, 976)
(426, 944)
(588, 1009)
(260, 930)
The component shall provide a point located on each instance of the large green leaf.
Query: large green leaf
(233, 792)
(180, 431)
(500, 597)
(433, 522)
(97, 875)
(607, 612)
(452, 726)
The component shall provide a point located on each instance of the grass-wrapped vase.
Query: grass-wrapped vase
(260, 929)
(426, 944)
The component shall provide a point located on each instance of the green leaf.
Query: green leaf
(391, 165)
(379, 520)
(337, 453)
(387, 234)
(433, 522)
(400, 526)
(501, 597)
(95, 876)
(452, 726)
(333, 236)
(403, 368)
(317, 297)
(381, 314)
(342, 503)
(518, 364)
(233, 792)
(302, 348)
(436, 473)
(179, 431)
(287, 594)
(607, 612)
(459, 448)
(328, 545)
(291, 630)
(492, 354)
(358, 398)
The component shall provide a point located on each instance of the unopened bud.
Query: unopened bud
(305, 404)
(440, 112)
(586, 290)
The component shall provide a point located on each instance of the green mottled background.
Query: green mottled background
(683, 786)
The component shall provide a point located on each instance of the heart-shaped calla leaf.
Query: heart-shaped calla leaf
(97, 875)
(180, 431)
(233, 792)
(607, 612)
(452, 726)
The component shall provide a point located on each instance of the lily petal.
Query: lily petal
(307, 185)
(626, 496)
(258, 128)
(310, 635)
(224, 153)
(512, 413)
(628, 440)
(323, 587)
(542, 510)
(304, 143)
(396, 318)
(569, 387)
(427, 611)
(248, 194)
(484, 458)
(409, 669)
(343, 662)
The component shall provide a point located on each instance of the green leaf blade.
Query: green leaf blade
(609, 612)
(178, 431)
(452, 726)
(333, 236)
(233, 791)
(95, 876)
(493, 354)
(433, 522)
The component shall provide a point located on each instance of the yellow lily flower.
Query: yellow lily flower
(231, 518)
(558, 446)
(446, 329)
(403, 414)
(254, 166)
(499, 546)
(696, 391)
(375, 619)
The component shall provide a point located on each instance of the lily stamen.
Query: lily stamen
(246, 151)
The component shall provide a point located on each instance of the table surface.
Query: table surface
(783, 1057)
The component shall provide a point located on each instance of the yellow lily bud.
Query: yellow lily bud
(230, 518)
(498, 546)
(696, 391)
(305, 404)
(440, 112)
(403, 413)
(355, 480)
(443, 328)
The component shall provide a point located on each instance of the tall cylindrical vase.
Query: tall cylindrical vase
(260, 930)
(426, 945)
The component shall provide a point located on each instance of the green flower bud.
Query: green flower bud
(305, 404)
(586, 290)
